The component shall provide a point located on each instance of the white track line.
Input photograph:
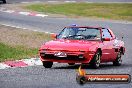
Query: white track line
(3, 66)
(32, 61)
(25, 2)
(41, 15)
(70, 1)
(25, 28)
(24, 13)
(9, 11)
(14, 26)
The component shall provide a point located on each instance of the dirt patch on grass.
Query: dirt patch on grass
(27, 38)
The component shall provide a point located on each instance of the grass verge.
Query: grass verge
(16, 43)
(117, 11)
(8, 52)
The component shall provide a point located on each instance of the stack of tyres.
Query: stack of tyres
(4, 1)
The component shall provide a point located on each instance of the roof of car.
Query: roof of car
(84, 27)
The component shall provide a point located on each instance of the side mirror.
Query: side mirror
(53, 36)
(106, 39)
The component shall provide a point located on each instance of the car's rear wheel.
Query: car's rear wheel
(118, 60)
(47, 64)
(71, 63)
(95, 62)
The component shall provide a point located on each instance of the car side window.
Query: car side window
(106, 34)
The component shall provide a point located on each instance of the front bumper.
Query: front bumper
(72, 57)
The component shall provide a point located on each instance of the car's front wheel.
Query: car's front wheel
(95, 62)
(47, 64)
(118, 60)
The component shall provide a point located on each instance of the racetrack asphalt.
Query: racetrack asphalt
(62, 75)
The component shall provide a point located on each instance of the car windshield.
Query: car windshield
(76, 33)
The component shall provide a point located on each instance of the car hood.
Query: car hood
(69, 45)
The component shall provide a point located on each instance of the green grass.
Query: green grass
(18, 52)
(116, 11)
(18, 44)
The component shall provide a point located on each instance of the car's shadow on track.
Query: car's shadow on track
(102, 66)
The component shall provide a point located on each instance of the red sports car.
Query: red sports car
(85, 45)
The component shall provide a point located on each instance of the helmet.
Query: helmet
(74, 25)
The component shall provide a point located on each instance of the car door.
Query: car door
(107, 49)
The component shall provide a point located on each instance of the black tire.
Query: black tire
(71, 63)
(47, 64)
(118, 60)
(95, 62)
(4, 1)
